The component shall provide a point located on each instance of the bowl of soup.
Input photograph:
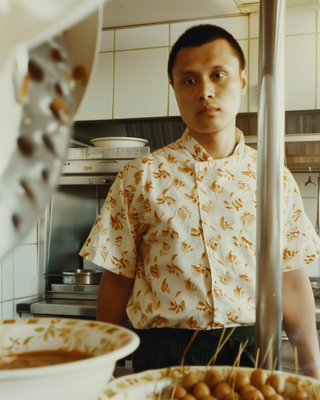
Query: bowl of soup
(59, 359)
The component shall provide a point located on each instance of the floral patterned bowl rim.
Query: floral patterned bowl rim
(119, 341)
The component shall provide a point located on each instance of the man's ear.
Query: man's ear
(243, 78)
(171, 83)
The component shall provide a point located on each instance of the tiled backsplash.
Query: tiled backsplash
(19, 275)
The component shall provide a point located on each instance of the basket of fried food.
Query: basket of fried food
(213, 383)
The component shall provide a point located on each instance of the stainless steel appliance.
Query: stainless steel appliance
(84, 183)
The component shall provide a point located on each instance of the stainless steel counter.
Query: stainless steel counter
(74, 308)
(317, 301)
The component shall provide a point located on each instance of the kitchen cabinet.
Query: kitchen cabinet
(318, 72)
(142, 37)
(141, 83)
(253, 70)
(300, 76)
(300, 72)
(97, 102)
(237, 26)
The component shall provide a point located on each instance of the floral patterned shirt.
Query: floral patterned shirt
(184, 226)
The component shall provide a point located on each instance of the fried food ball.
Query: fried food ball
(249, 392)
(209, 397)
(189, 380)
(299, 395)
(201, 389)
(258, 377)
(275, 396)
(179, 391)
(221, 390)
(213, 377)
(188, 396)
(278, 382)
(267, 390)
(232, 396)
(241, 379)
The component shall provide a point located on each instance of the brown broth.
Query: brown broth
(41, 358)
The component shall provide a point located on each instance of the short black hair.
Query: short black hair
(202, 34)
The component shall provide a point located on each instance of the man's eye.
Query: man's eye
(190, 81)
(219, 75)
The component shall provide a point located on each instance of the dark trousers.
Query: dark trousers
(164, 347)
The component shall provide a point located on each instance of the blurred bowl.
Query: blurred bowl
(81, 380)
(119, 142)
(150, 384)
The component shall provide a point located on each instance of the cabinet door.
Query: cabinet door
(300, 72)
(141, 83)
(97, 101)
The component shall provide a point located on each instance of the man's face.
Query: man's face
(208, 86)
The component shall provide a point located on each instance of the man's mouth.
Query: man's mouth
(208, 110)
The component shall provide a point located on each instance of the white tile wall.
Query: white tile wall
(300, 20)
(19, 275)
(253, 75)
(142, 37)
(107, 41)
(130, 77)
(237, 26)
(98, 100)
(300, 96)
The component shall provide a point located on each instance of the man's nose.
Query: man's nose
(207, 90)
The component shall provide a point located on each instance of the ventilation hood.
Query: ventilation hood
(302, 151)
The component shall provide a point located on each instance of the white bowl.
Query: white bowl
(145, 385)
(119, 142)
(79, 380)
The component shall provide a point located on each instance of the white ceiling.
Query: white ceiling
(139, 12)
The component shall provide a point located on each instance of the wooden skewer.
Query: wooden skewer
(267, 351)
(213, 358)
(296, 360)
(257, 358)
(187, 348)
(237, 361)
(173, 391)
(274, 365)
(220, 345)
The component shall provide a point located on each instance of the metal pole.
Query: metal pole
(270, 183)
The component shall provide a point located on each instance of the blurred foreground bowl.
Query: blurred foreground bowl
(80, 380)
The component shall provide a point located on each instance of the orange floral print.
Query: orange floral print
(148, 186)
(183, 226)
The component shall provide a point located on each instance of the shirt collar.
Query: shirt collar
(200, 154)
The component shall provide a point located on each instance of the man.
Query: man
(177, 233)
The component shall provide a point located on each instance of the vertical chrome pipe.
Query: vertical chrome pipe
(271, 122)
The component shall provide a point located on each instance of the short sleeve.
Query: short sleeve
(301, 244)
(111, 243)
